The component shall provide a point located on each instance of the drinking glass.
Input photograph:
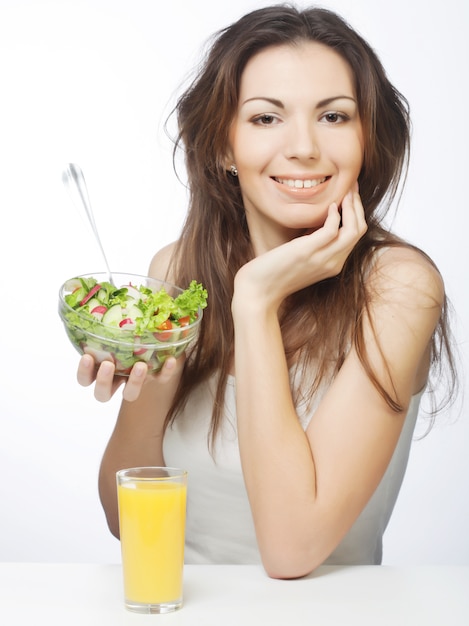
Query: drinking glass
(152, 515)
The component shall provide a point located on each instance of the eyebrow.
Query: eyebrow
(280, 105)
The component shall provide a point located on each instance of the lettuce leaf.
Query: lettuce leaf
(156, 307)
(189, 301)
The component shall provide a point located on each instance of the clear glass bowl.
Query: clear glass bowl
(120, 345)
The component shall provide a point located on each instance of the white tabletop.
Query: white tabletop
(229, 595)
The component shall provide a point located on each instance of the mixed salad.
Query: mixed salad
(130, 323)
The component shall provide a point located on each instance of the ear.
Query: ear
(228, 159)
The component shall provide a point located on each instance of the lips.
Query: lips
(300, 183)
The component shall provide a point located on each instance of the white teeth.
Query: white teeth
(299, 183)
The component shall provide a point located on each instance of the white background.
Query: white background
(92, 82)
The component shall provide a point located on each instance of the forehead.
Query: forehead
(303, 68)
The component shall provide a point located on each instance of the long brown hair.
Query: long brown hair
(215, 240)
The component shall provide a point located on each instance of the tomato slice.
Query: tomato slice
(167, 325)
(161, 335)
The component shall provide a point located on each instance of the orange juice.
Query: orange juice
(152, 523)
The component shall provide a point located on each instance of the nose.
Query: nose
(302, 142)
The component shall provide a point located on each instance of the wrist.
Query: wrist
(251, 299)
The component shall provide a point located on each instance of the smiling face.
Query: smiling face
(296, 139)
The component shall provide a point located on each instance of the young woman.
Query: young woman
(294, 412)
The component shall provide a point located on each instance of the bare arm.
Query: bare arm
(138, 433)
(137, 439)
(307, 489)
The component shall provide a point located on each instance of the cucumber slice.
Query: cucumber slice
(92, 303)
(113, 316)
(133, 312)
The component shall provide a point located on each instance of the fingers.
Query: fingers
(329, 231)
(169, 373)
(172, 369)
(353, 213)
(135, 381)
(86, 370)
(106, 382)
(333, 216)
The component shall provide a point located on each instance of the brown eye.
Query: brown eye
(333, 117)
(265, 119)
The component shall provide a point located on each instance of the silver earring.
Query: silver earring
(234, 170)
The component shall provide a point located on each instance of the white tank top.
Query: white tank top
(219, 527)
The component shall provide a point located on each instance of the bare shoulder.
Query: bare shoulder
(406, 298)
(160, 263)
(407, 276)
